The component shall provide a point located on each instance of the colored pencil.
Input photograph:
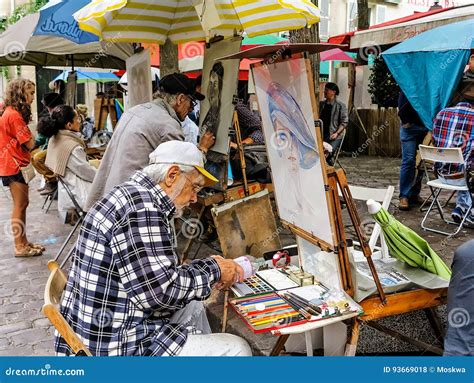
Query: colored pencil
(268, 315)
(254, 307)
(254, 302)
(256, 312)
(275, 318)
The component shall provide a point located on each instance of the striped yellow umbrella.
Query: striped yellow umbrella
(192, 20)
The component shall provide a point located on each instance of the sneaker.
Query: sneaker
(457, 214)
(404, 204)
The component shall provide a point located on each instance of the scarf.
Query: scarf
(60, 148)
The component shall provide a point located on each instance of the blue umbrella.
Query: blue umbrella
(83, 77)
(429, 66)
(56, 20)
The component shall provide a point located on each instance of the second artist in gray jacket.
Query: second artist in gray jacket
(141, 129)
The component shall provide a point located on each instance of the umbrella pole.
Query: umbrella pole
(346, 193)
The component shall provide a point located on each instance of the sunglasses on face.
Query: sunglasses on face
(192, 100)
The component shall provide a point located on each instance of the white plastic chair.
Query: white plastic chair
(447, 156)
(384, 196)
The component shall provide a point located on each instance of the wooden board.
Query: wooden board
(400, 303)
(247, 226)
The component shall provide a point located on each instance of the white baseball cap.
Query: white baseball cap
(181, 153)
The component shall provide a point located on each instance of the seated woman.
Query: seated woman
(66, 155)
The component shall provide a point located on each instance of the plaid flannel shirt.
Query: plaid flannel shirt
(453, 128)
(125, 281)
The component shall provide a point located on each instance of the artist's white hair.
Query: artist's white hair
(158, 172)
(168, 98)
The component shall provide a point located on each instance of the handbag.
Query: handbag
(28, 171)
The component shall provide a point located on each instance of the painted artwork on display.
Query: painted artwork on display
(139, 78)
(219, 85)
(284, 99)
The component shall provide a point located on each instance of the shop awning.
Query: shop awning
(395, 31)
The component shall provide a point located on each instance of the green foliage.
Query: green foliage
(17, 14)
(21, 11)
(382, 86)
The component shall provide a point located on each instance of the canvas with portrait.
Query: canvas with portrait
(219, 85)
(139, 78)
(284, 98)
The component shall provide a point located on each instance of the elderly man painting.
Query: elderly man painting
(126, 293)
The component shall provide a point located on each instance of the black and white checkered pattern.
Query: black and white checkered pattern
(125, 281)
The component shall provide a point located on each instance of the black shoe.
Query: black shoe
(457, 215)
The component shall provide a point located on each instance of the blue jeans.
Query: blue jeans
(410, 138)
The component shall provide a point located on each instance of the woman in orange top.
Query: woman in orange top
(16, 142)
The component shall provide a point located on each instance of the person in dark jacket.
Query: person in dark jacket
(334, 115)
(412, 133)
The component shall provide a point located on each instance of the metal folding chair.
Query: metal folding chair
(50, 197)
(339, 150)
(447, 156)
(81, 213)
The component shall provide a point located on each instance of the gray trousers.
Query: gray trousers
(207, 344)
(460, 335)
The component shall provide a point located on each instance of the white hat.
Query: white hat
(181, 153)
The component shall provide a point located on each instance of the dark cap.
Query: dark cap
(179, 83)
(52, 100)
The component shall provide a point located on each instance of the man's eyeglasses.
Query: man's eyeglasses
(196, 187)
(193, 101)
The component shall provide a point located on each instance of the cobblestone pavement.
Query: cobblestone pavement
(25, 331)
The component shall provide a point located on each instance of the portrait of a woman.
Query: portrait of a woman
(295, 145)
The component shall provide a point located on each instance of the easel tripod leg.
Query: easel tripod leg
(279, 345)
(351, 345)
(226, 308)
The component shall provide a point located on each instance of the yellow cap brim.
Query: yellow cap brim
(210, 179)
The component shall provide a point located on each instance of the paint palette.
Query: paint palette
(251, 286)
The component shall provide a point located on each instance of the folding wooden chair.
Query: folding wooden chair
(447, 156)
(52, 299)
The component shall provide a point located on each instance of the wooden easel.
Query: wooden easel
(103, 107)
(376, 306)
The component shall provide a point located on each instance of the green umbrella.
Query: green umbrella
(407, 246)
(262, 40)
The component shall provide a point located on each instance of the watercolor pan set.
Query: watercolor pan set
(251, 286)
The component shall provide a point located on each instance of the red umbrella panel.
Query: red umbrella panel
(191, 56)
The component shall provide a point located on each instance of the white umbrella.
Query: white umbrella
(18, 46)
